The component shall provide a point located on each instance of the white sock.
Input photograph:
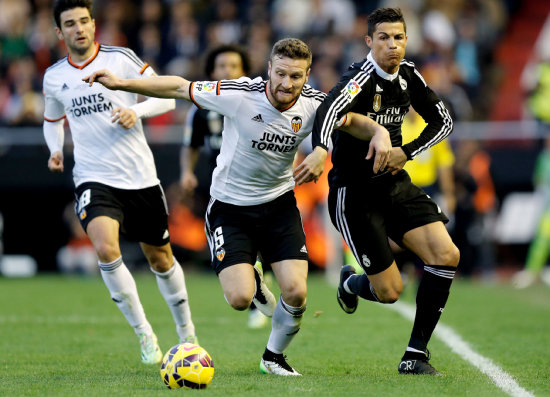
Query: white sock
(172, 287)
(124, 293)
(285, 324)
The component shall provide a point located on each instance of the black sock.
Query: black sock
(431, 297)
(359, 284)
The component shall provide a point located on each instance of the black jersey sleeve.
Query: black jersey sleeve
(339, 100)
(195, 128)
(434, 113)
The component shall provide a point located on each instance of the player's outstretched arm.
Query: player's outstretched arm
(157, 86)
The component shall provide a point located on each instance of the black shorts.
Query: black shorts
(367, 215)
(142, 214)
(237, 234)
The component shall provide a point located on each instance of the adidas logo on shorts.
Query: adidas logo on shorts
(303, 249)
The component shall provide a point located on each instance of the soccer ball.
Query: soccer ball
(187, 365)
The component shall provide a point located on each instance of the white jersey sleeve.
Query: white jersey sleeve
(210, 94)
(53, 108)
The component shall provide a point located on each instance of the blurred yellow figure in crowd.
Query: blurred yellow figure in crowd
(432, 169)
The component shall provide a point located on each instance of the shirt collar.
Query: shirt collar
(380, 71)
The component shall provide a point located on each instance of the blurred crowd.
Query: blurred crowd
(451, 41)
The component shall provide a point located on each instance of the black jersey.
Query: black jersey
(365, 88)
(204, 128)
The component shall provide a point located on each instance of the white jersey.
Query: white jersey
(104, 151)
(259, 141)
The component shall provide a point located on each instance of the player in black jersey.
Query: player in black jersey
(367, 206)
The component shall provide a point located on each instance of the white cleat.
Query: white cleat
(256, 319)
(523, 279)
(150, 350)
(277, 366)
(263, 298)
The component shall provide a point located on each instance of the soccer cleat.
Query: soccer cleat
(348, 302)
(263, 298)
(417, 364)
(523, 279)
(276, 364)
(190, 339)
(150, 350)
(256, 319)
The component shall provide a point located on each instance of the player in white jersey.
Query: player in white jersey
(252, 208)
(117, 188)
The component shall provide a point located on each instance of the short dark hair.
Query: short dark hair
(384, 15)
(64, 5)
(212, 55)
(292, 48)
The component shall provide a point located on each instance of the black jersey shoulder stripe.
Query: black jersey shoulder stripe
(139, 64)
(130, 55)
(127, 51)
(58, 63)
(242, 86)
(340, 103)
(442, 133)
(367, 66)
(133, 58)
(312, 92)
(408, 63)
(243, 83)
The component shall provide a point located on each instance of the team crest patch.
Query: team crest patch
(402, 83)
(220, 254)
(366, 260)
(351, 89)
(296, 123)
(377, 102)
(83, 215)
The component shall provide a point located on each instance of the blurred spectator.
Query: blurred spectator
(539, 249)
(25, 105)
(539, 95)
(475, 206)
(432, 170)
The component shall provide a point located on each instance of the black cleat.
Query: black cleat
(417, 364)
(348, 302)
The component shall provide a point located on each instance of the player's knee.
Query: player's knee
(389, 296)
(295, 295)
(390, 293)
(238, 301)
(107, 251)
(160, 264)
(450, 257)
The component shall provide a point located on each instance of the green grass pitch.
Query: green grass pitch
(63, 336)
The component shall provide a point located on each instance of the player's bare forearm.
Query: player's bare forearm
(156, 86)
(361, 127)
(312, 167)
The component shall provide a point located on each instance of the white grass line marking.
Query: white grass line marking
(448, 336)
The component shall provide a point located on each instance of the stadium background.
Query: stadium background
(479, 56)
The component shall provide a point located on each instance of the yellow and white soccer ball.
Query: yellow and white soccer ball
(187, 365)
